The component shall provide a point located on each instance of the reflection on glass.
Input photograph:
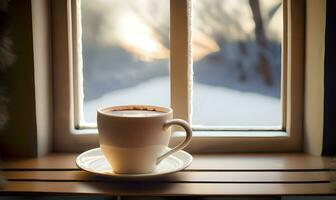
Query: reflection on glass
(125, 50)
(237, 62)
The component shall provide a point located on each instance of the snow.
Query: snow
(212, 105)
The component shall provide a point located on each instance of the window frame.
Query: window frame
(289, 139)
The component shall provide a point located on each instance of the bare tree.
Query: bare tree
(264, 64)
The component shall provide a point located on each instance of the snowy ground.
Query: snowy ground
(211, 105)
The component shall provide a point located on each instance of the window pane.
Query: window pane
(125, 50)
(237, 62)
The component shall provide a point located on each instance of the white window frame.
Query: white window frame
(234, 139)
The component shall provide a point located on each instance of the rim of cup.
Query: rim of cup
(162, 110)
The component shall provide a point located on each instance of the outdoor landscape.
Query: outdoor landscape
(236, 58)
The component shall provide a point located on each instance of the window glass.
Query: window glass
(237, 62)
(125, 53)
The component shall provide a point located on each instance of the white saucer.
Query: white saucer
(94, 161)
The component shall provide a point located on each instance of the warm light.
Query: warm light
(203, 45)
(145, 48)
(135, 36)
(131, 30)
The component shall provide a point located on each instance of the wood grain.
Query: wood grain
(180, 177)
(185, 176)
(204, 162)
(165, 189)
(209, 174)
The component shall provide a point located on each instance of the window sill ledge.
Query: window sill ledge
(209, 174)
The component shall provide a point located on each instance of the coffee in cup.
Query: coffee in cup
(134, 138)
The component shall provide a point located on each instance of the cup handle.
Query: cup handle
(183, 144)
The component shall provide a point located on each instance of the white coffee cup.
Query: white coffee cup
(134, 138)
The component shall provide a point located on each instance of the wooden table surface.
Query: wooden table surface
(213, 174)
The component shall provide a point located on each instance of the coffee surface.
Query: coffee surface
(134, 113)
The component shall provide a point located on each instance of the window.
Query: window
(243, 91)
(125, 53)
(237, 63)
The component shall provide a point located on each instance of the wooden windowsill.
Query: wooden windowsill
(209, 174)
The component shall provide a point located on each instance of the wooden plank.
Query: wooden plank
(185, 176)
(215, 174)
(164, 189)
(201, 162)
(259, 162)
(58, 161)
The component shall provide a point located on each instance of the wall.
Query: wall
(18, 138)
(313, 118)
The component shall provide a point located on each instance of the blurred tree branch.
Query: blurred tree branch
(263, 65)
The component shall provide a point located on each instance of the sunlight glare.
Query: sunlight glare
(137, 37)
